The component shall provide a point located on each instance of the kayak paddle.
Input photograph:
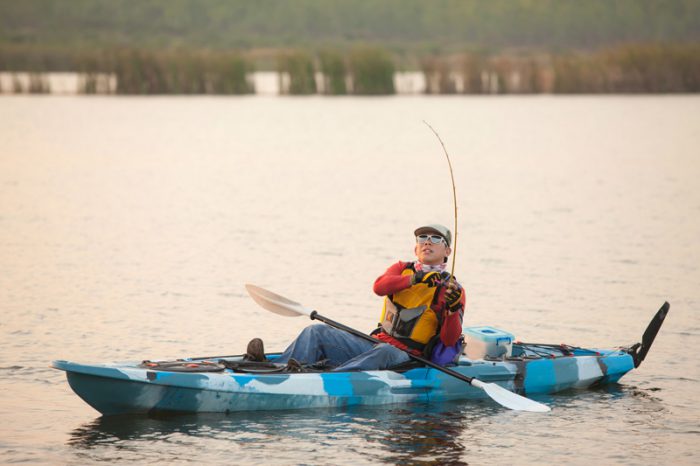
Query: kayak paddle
(286, 307)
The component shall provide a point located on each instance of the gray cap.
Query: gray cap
(436, 229)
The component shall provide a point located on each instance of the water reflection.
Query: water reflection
(429, 434)
(639, 399)
(425, 436)
(449, 433)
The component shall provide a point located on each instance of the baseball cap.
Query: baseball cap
(437, 229)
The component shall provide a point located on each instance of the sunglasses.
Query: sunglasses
(435, 239)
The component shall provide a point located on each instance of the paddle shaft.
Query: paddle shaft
(316, 316)
(286, 307)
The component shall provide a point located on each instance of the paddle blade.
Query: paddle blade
(650, 334)
(509, 399)
(276, 303)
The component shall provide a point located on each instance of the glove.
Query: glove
(431, 279)
(453, 297)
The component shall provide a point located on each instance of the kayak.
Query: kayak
(121, 388)
(229, 384)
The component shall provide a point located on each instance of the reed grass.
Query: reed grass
(633, 68)
(139, 72)
(17, 87)
(439, 76)
(372, 71)
(334, 71)
(38, 84)
(299, 67)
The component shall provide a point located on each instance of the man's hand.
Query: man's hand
(431, 279)
(453, 296)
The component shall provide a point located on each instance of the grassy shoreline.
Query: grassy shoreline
(365, 70)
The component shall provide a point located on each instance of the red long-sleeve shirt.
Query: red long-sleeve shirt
(392, 281)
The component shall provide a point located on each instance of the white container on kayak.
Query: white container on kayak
(484, 341)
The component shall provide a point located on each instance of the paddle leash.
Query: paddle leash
(286, 307)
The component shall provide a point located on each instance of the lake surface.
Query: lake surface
(128, 227)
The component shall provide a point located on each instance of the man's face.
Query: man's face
(429, 252)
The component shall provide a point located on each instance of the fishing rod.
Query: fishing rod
(454, 198)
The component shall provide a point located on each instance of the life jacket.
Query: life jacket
(409, 316)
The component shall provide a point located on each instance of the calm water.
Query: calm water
(128, 227)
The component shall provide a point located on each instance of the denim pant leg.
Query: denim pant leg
(320, 341)
(382, 356)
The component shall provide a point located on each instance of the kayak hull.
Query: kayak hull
(120, 388)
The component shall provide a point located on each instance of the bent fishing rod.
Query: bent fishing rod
(454, 199)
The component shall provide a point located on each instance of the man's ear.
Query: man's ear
(448, 251)
(415, 249)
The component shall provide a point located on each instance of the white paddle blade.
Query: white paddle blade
(276, 303)
(509, 399)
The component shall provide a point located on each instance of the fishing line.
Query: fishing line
(454, 198)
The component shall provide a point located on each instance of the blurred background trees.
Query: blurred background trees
(356, 46)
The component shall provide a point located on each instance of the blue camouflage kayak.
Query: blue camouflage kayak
(228, 384)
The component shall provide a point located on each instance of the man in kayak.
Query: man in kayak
(422, 314)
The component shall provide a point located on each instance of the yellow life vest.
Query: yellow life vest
(408, 316)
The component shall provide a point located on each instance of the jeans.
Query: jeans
(343, 351)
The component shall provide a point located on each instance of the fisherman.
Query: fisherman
(422, 314)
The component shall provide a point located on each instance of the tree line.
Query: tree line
(398, 25)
